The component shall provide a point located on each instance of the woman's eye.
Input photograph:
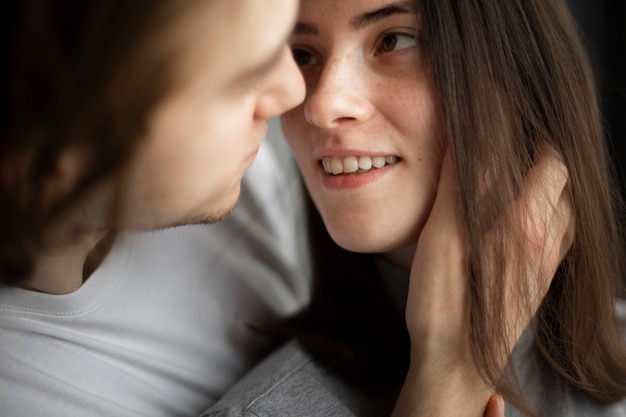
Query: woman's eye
(397, 41)
(302, 57)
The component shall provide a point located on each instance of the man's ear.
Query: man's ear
(67, 171)
(24, 190)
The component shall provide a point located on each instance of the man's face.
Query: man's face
(204, 135)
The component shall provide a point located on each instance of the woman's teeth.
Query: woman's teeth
(356, 164)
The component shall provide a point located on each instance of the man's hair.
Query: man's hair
(79, 75)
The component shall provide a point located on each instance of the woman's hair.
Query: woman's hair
(509, 76)
(77, 75)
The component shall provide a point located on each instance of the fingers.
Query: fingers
(544, 216)
(547, 218)
(495, 407)
(540, 200)
(437, 303)
(443, 215)
(566, 208)
(560, 235)
(545, 182)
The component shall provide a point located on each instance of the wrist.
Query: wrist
(442, 391)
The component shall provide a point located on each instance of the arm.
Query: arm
(443, 379)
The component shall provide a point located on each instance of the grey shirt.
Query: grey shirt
(291, 383)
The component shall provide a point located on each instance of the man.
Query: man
(127, 116)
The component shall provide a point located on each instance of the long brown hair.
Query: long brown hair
(527, 54)
(509, 75)
(81, 75)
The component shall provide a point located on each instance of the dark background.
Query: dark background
(603, 27)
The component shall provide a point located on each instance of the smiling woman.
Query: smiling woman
(454, 148)
(363, 72)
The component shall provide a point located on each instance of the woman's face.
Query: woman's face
(367, 137)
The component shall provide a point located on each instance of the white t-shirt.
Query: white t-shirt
(168, 321)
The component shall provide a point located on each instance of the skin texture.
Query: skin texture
(366, 97)
(206, 134)
(201, 138)
(369, 93)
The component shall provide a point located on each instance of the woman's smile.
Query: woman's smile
(367, 138)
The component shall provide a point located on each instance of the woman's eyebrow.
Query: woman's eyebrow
(367, 18)
(362, 20)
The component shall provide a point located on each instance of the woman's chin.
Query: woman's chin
(357, 243)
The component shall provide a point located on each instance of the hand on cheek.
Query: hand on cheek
(443, 377)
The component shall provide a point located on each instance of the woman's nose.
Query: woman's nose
(340, 95)
(284, 91)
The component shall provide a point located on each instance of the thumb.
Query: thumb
(495, 407)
